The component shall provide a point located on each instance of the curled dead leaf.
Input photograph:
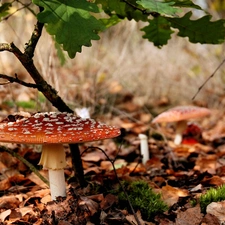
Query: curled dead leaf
(171, 194)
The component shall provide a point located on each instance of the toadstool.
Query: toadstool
(52, 130)
(181, 114)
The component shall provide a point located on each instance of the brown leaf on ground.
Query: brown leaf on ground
(9, 202)
(88, 206)
(191, 216)
(218, 131)
(213, 181)
(132, 220)
(210, 219)
(171, 194)
(5, 214)
(108, 201)
(207, 163)
(217, 209)
(95, 156)
(154, 162)
(36, 180)
(5, 184)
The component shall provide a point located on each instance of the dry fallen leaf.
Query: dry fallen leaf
(5, 214)
(217, 209)
(131, 219)
(171, 194)
(35, 179)
(191, 216)
(26, 210)
(216, 132)
(88, 205)
(9, 202)
(108, 201)
(213, 181)
(207, 163)
(95, 156)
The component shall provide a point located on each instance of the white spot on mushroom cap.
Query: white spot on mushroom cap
(12, 128)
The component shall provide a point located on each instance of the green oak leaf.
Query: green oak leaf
(122, 9)
(163, 8)
(201, 30)
(184, 3)
(112, 7)
(70, 22)
(111, 21)
(60, 53)
(158, 31)
(4, 9)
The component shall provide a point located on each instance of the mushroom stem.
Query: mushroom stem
(180, 127)
(144, 148)
(57, 183)
(53, 159)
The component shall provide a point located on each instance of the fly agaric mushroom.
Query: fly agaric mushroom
(181, 114)
(52, 130)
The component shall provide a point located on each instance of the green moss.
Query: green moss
(142, 198)
(193, 202)
(212, 195)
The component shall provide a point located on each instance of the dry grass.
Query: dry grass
(176, 71)
(121, 63)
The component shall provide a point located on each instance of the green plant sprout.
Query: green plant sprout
(142, 198)
(212, 195)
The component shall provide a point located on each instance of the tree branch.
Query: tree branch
(17, 80)
(28, 164)
(31, 45)
(211, 76)
(48, 91)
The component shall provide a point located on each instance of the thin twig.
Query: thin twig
(28, 8)
(211, 76)
(17, 10)
(114, 169)
(77, 163)
(16, 80)
(28, 164)
(36, 34)
(49, 92)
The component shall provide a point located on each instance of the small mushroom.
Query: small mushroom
(52, 130)
(181, 114)
(144, 147)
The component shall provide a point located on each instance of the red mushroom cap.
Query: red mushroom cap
(44, 128)
(181, 113)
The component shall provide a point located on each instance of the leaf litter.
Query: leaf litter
(179, 173)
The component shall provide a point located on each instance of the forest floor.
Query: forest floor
(126, 82)
(180, 174)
